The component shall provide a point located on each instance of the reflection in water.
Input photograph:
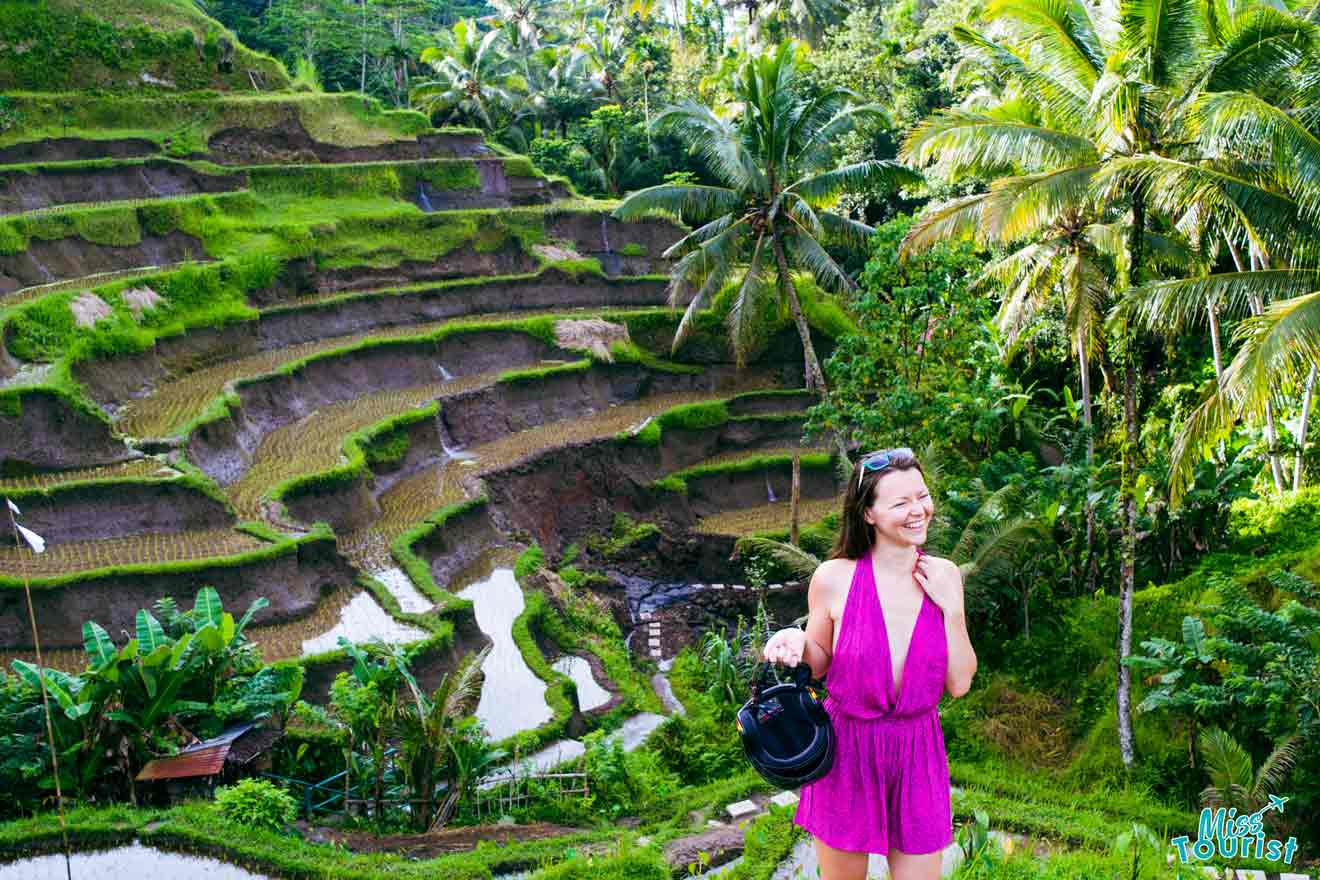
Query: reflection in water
(512, 697)
(590, 693)
(125, 862)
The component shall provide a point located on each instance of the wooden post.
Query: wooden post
(796, 499)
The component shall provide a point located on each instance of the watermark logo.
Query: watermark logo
(1226, 835)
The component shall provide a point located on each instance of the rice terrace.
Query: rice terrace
(424, 424)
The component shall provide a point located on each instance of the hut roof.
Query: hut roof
(207, 758)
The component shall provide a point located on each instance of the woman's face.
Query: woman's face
(902, 507)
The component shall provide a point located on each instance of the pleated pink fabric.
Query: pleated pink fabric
(889, 784)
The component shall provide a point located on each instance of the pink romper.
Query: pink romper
(889, 783)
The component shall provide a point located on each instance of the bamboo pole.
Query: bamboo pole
(45, 698)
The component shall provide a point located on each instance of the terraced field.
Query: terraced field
(315, 443)
(151, 305)
(131, 550)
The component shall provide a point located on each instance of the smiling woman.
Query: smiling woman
(888, 791)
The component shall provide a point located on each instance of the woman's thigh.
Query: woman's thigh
(840, 864)
(905, 866)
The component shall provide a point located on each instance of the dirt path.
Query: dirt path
(433, 844)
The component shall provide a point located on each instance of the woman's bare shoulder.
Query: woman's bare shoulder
(833, 574)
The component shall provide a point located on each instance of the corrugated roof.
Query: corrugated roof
(206, 761)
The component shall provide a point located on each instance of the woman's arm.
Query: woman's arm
(792, 646)
(962, 659)
(820, 626)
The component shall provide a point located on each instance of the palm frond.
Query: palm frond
(871, 174)
(967, 143)
(956, 218)
(681, 201)
(1178, 304)
(795, 559)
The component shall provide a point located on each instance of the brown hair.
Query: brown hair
(856, 536)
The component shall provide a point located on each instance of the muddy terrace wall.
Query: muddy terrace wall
(45, 187)
(293, 582)
(567, 493)
(290, 143)
(223, 448)
(62, 259)
(486, 414)
(112, 381)
(91, 511)
(551, 289)
(602, 236)
(40, 430)
(457, 542)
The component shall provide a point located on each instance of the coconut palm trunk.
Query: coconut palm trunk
(1276, 468)
(814, 377)
(1088, 564)
(1301, 432)
(1127, 489)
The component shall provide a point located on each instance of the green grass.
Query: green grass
(199, 828)
(183, 123)
(195, 482)
(62, 44)
(678, 480)
(417, 569)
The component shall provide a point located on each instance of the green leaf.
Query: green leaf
(150, 634)
(255, 607)
(208, 608)
(1193, 631)
(227, 628)
(208, 637)
(96, 642)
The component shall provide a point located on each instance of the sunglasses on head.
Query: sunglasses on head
(878, 461)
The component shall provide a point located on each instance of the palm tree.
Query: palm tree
(607, 52)
(1234, 781)
(522, 19)
(769, 215)
(472, 77)
(1255, 179)
(428, 730)
(559, 88)
(1092, 89)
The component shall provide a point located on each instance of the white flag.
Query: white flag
(35, 541)
(13, 507)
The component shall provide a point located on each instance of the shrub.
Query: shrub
(529, 561)
(256, 803)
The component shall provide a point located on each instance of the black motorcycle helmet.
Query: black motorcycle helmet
(785, 730)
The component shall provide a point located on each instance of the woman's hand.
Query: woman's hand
(944, 590)
(786, 647)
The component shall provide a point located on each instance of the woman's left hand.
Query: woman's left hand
(942, 581)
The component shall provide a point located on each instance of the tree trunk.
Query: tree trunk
(362, 83)
(1127, 489)
(815, 378)
(1257, 306)
(1082, 368)
(796, 499)
(1213, 312)
(1301, 433)
(1271, 431)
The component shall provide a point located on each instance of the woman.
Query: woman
(887, 622)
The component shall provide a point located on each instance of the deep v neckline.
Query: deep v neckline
(894, 690)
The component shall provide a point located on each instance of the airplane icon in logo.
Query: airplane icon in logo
(1276, 803)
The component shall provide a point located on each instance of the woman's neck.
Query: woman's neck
(893, 559)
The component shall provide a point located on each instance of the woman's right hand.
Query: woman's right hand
(786, 647)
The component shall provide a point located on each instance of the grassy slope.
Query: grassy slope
(51, 45)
